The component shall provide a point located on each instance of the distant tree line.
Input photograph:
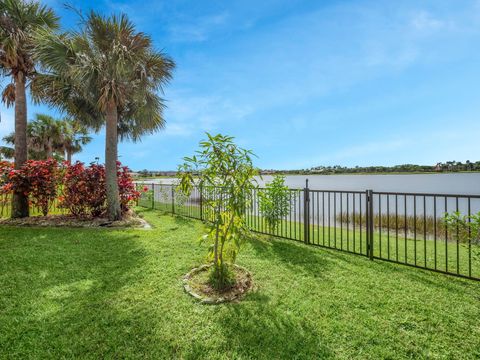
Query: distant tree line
(149, 173)
(449, 166)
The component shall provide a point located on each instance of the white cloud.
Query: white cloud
(189, 114)
(177, 129)
(381, 55)
(406, 41)
(425, 21)
(140, 13)
(297, 60)
(199, 29)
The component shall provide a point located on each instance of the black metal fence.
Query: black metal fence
(6, 207)
(405, 228)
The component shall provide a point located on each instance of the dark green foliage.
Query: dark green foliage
(464, 228)
(275, 201)
(449, 166)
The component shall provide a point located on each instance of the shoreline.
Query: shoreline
(332, 174)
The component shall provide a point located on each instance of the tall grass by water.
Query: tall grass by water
(405, 247)
(420, 225)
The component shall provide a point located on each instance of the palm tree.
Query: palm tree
(44, 135)
(18, 22)
(6, 153)
(34, 152)
(106, 73)
(74, 136)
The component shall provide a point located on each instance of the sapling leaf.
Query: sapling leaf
(227, 177)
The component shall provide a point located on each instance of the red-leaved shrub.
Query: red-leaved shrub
(43, 178)
(5, 168)
(37, 179)
(126, 187)
(84, 189)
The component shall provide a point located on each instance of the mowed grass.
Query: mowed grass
(413, 249)
(118, 294)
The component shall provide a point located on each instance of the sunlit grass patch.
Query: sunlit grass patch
(118, 293)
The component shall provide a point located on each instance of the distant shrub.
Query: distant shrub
(465, 228)
(275, 201)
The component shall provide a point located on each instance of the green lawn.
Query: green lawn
(118, 294)
(440, 255)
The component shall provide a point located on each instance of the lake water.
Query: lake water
(408, 224)
(454, 183)
(435, 206)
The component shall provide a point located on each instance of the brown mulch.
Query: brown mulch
(196, 284)
(129, 220)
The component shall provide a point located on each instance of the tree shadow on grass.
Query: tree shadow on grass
(70, 292)
(318, 262)
(183, 220)
(257, 329)
(295, 256)
(425, 277)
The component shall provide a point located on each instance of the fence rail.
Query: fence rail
(404, 228)
(6, 207)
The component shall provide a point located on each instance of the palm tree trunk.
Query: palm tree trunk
(111, 142)
(20, 200)
(49, 149)
(69, 157)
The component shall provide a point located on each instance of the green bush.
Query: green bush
(275, 201)
(225, 175)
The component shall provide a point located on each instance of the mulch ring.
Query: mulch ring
(195, 284)
(129, 221)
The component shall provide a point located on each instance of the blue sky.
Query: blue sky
(306, 83)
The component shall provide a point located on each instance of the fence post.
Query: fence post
(306, 213)
(201, 201)
(370, 227)
(153, 196)
(173, 199)
(136, 201)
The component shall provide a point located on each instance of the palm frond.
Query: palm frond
(8, 95)
(19, 20)
(105, 60)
